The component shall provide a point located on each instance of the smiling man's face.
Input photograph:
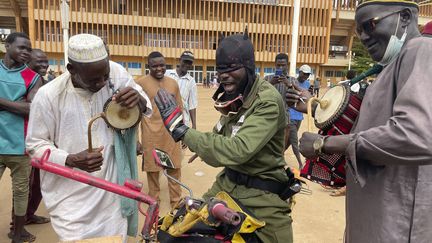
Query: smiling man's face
(233, 82)
(157, 67)
(376, 38)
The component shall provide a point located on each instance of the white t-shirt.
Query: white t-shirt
(188, 92)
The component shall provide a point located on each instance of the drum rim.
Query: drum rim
(327, 124)
(106, 105)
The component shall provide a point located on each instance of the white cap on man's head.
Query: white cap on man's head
(305, 69)
(86, 48)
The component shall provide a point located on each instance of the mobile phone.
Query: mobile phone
(279, 72)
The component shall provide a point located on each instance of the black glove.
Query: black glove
(172, 115)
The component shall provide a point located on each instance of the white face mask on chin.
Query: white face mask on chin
(394, 47)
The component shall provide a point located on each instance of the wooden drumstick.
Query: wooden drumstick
(89, 126)
(322, 103)
(192, 158)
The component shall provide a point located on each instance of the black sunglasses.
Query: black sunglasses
(369, 25)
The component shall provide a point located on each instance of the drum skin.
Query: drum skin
(338, 99)
(119, 117)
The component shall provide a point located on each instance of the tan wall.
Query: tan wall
(338, 74)
(171, 26)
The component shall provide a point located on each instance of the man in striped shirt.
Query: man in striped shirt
(188, 87)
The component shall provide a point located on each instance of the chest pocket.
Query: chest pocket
(218, 127)
(237, 126)
(223, 126)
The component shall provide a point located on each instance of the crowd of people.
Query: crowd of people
(388, 173)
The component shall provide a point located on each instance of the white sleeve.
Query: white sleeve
(41, 130)
(193, 97)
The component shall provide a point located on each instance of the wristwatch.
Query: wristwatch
(318, 145)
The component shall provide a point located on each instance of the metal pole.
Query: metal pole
(294, 43)
(349, 60)
(64, 9)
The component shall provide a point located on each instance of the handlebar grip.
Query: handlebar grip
(225, 214)
(133, 184)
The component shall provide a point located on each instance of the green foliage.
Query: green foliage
(362, 61)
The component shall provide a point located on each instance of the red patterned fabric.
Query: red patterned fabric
(30, 77)
(329, 170)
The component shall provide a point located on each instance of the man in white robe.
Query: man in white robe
(58, 122)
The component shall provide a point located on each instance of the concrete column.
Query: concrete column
(294, 43)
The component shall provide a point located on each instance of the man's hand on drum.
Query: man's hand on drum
(85, 160)
(306, 144)
(297, 98)
(129, 97)
(332, 145)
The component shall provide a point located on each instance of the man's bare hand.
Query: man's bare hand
(294, 97)
(127, 97)
(85, 160)
(274, 80)
(280, 79)
(306, 144)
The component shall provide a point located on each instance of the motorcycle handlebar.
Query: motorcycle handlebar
(225, 214)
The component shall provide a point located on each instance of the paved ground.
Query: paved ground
(317, 217)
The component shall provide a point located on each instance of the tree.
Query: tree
(362, 60)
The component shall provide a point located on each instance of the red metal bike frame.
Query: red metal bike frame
(131, 189)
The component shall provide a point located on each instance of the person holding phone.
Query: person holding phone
(281, 81)
(296, 117)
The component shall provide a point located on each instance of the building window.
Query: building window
(212, 42)
(189, 42)
(135, 65)
(211, 72)
(339, 74)
(52, 62)
(134, 68)
(157, 40)
(197, 73)
(329, 73)
(268, 71)
(122, 63)
(147, 70)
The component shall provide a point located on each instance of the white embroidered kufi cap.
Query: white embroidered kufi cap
(86, 48)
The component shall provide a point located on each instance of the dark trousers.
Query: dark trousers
(35, 195)
(294, 126)
(316, 92)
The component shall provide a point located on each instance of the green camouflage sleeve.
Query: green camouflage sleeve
(218, 150)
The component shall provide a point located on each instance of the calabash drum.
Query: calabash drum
(335, 115)
(117, 117)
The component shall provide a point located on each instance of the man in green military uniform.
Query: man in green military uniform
(248, 140)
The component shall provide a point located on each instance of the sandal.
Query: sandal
(25, 236)
(37, 220)
(339, 192)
